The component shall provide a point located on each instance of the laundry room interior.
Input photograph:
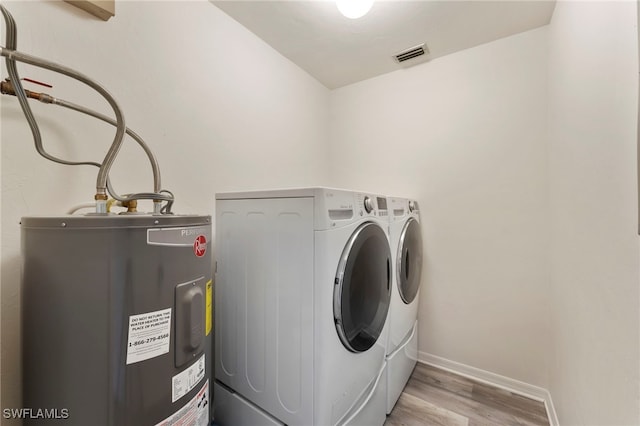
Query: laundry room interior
(516, 135)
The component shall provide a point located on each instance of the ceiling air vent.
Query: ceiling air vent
(411, 53)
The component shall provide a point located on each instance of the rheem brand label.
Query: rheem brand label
(200, 245)
(195, 237)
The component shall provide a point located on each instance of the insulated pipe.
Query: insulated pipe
(152, 159)
(74, 209)
(101, 183)
(6, 87)
(11, 39)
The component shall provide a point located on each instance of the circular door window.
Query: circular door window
(409, 261)
(362, 288)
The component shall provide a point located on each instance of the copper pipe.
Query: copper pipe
(6, 88)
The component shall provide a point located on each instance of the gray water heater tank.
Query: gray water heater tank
(117, 320)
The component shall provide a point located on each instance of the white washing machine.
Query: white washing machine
(405, 237)
(302, 293)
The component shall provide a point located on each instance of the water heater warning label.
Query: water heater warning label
(194, 413)
(182, 383)
(149, 335)
(209, 308)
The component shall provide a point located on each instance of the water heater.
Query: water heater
(117, 319)
(116, 308)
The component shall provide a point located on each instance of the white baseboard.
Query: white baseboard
(521, 388)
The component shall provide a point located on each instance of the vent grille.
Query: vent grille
(411, 53)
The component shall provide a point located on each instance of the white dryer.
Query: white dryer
(406, 250)
(302, 293)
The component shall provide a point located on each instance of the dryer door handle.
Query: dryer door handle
(388, 273)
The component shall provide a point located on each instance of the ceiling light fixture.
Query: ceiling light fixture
(354, 9)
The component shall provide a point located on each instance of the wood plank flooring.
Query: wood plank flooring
(436, 397)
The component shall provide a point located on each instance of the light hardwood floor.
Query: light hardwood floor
(435, 397)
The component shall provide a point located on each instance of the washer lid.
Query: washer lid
(409, 261)
(361, 294)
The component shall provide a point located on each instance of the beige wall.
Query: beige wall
(465, 135)
(593, 104)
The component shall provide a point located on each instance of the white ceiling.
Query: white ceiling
(339, 51)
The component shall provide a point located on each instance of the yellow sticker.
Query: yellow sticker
(209, 303)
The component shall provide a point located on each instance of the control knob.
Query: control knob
(368, 204)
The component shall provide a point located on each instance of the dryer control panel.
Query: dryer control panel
(341, 207)
(370, 205)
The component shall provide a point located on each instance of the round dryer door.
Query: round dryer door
(409, 261)
(362, 288)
